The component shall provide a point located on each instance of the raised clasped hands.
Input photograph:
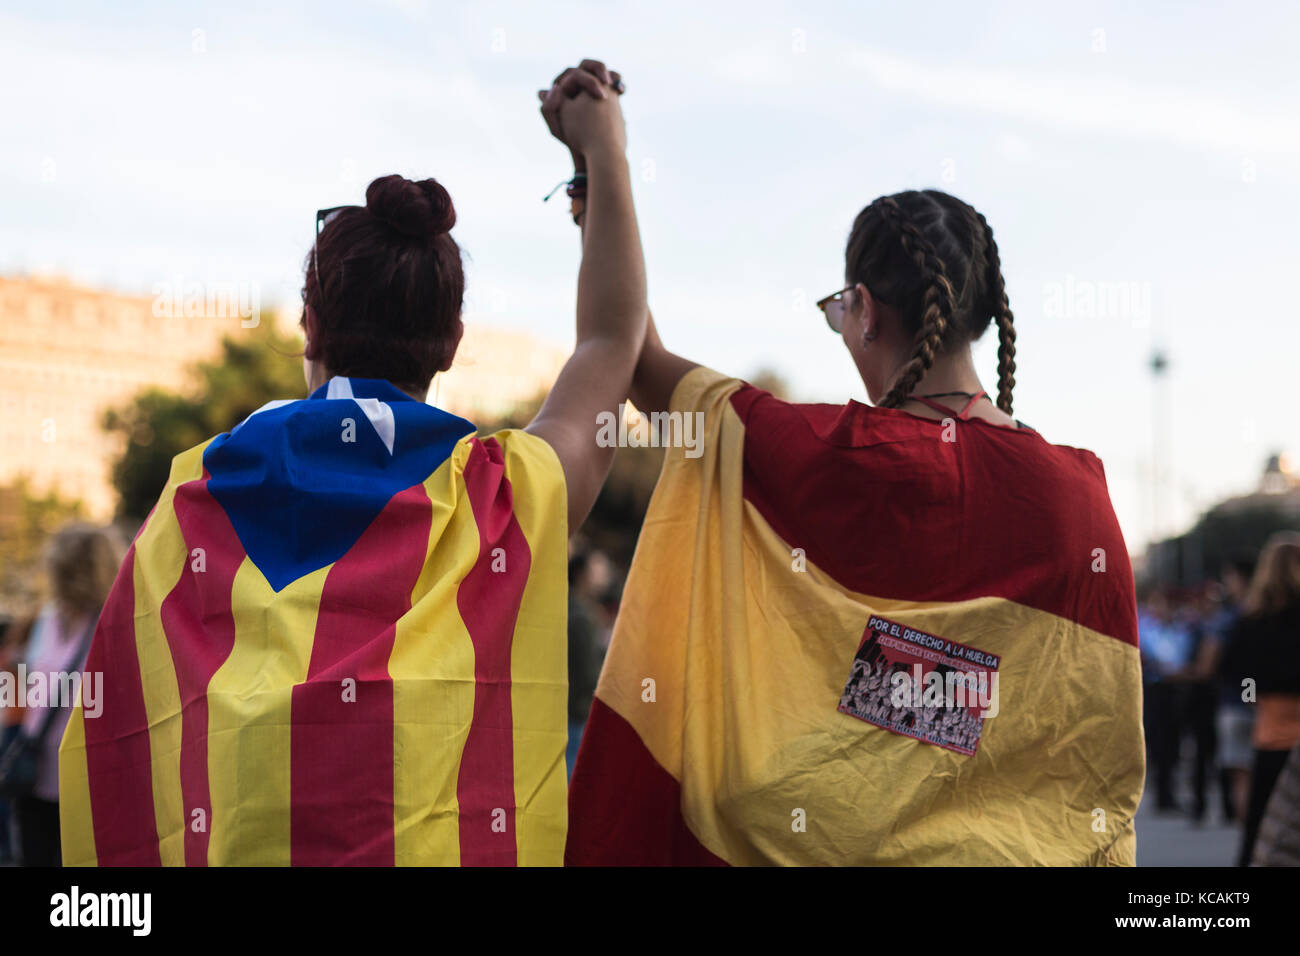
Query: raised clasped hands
(582, 111)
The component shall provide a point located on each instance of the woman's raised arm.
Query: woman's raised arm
(657, 373)
(582, 110)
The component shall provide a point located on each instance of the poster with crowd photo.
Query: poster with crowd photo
(921, 685)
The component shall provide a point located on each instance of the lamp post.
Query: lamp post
(1159, 366)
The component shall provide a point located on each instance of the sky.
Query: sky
(1140, 168)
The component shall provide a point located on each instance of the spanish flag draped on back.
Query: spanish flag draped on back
(808, 584)
(338, 639)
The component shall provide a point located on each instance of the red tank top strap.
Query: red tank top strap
(945, 410)
(941, 409)
(965, 412)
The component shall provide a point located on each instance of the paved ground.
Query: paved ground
(1172, 840)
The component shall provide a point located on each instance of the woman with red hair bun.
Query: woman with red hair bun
(340, 636)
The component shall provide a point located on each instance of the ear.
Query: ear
(871, 312)
(310, 326)
(453, 343)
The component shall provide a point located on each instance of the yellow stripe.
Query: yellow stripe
(644, 677)
(758, 653)
(539, 683)
(249, 717)
(76, 825)
(160, 557)
(432, 667)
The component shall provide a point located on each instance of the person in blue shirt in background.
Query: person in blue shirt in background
(1166, 647)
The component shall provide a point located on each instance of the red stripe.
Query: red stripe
(880, 502)
(200, 629)
(489, 604)
(117, 741)
(624, 808)
(342, 748)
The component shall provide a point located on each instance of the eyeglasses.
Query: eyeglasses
(834, 306)
(323, 218)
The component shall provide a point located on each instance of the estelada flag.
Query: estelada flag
(338, 639)
(851, 635)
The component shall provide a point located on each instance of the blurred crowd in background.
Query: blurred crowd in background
(81, 561)
(1221, 685)
(595, 588)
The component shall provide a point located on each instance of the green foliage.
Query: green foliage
(1225, 534)
(158, 425)
(26, 522)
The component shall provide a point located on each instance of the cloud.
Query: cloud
(1107, 105)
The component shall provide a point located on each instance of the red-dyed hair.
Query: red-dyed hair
(391, 285)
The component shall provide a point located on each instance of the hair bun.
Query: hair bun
(421, 210)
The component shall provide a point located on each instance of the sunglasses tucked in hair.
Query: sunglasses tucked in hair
(323, 218)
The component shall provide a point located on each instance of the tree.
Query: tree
(27, 520)
(1226, 533)
(158, 425)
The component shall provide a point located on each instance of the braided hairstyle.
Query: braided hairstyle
(932, 257)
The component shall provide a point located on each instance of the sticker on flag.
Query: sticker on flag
(922, 686)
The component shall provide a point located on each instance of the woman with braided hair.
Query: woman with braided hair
(983, 565)
(956, 278)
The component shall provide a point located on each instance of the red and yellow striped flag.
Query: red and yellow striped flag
(338, 639)
(809, 583)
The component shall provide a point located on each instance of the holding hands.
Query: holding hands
(591, 124)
